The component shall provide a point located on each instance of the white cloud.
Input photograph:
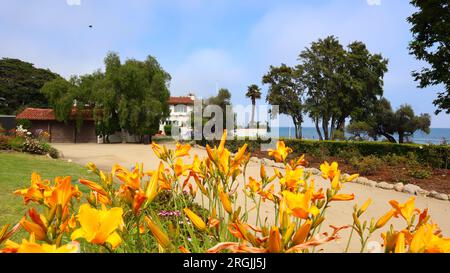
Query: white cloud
(374, 2)
(73, 2)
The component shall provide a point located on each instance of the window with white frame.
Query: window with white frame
(181, 108)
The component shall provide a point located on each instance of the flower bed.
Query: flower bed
(118, 214)
(22, 140)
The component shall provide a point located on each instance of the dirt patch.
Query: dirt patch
(439, 180)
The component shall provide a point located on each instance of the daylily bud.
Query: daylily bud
(262, 171)
(364, 207)
(225, 201)
(384, 219)
(195, 219)
(302, 233)
(274, 241)
(400, 244)
(160, 236)
(288, 234)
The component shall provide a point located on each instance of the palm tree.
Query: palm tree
(253, 93)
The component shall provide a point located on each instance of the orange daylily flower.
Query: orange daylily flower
(301, 161)
(253, 185)
(299, 204)
(426, 240)
(329, 171)
(30, 246)
(281, 152)
(182, 150)
(292, 179)
(405, 210)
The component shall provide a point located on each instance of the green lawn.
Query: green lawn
(15, 173)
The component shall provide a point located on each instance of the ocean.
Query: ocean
(436, 136)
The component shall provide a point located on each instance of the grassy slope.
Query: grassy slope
(15, 173)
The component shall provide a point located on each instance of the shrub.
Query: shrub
(33, 146)
(420, 173)
(4, 142)
(16, 143)
(168, 130)
(367, 165)
(54, 153)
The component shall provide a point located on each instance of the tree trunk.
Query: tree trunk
(325, 129)
(252, 121)
(316, 120)
(124, 140)
(401, 137)
(389, 137)
(333, 121)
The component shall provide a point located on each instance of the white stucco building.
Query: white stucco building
(181, 109)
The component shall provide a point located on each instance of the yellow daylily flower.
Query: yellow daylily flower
(99, 226)
(281, 152)
(426, 240)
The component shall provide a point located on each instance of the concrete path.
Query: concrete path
(104, 156)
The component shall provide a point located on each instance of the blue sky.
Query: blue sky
(204, 43)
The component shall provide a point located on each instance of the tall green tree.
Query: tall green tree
(286, 91)
(131, 96)
(339, 82)
(20, 84)
(431, 43)
(253, 93)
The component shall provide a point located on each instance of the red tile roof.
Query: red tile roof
(180, 100)
(48, 114)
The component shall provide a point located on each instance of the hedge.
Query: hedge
(437, 156)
